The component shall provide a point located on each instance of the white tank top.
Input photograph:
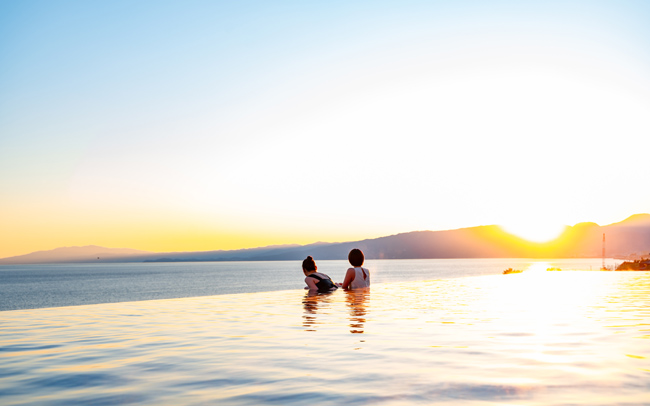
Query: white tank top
(358, 281)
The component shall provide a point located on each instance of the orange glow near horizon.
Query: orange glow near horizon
(538, 232)
(154, 238)
(430, 116)
(35, 228)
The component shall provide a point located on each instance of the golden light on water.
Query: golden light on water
(534, 338)
(538, 267)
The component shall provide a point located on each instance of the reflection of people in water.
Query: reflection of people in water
(311, 303)
(356, 300)
(316, 281)
(358, 276)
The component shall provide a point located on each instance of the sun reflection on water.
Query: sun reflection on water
(535, 338)
(538, 267)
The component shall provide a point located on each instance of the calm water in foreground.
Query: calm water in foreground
(536, 338)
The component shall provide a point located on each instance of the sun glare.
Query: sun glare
(538, 267)
(535, 232)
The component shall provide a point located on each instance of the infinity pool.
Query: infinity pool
(536, 338)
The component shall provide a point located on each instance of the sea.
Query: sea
(439, 331)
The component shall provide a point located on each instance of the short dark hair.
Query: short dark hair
(356, 257)
(309, 264)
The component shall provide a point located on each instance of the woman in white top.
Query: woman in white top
(358, 276)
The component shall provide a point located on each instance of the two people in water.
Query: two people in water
(355, 277)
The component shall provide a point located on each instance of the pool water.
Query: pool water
(536, 338)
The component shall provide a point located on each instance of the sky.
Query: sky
(206, 125)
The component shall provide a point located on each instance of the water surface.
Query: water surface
(537, 338)
(56, 285)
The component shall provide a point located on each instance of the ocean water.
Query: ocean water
(535, 338)
(56, 285)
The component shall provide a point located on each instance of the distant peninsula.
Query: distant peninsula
(626, 239)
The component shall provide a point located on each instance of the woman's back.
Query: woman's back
(361, 278)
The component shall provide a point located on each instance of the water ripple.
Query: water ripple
(558, 338)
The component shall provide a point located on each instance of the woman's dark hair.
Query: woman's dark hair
(356, 257)
(309, 264)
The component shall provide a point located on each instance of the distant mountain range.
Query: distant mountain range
(89, 253)
(629, 237)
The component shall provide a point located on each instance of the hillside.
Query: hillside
(89, 253)
(628, 237)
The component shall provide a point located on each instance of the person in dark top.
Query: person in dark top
(316, 281)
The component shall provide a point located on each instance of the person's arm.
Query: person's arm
(311, 283)
(349, 277)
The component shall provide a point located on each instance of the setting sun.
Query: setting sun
(328, 123)
(227, 202)
(535, 231)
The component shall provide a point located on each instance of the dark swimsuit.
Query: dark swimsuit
(323, 284)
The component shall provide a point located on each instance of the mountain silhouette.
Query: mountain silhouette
(628, 237)
(88, 253)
